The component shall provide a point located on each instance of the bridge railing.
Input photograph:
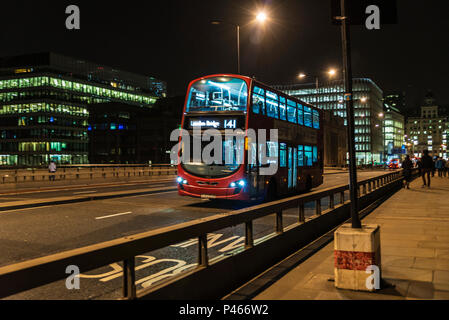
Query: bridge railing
(85, 172)
(27, 275)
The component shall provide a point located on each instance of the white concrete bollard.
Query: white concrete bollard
(357, 258)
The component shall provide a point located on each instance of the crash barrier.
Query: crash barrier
(210, 279)
(89, 172)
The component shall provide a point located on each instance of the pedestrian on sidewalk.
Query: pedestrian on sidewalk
(407, 166)
(52, 170)
(427, 166)
(446, 172)
(444, 167)
(439, 166)
(434, 166)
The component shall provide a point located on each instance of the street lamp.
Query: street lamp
(261, 17)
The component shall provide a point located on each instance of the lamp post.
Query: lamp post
(347, 67)
(261, 17)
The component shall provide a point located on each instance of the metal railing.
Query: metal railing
(34, 273)
(85, 172)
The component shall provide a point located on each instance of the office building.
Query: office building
(429, 131)
(47, 99)
(394, 133)
(368, 111)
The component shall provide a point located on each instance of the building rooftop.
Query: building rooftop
(81, 69)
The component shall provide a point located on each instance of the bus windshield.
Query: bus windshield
(218, 94)
(232, 154)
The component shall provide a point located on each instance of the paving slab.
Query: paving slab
(414, 248)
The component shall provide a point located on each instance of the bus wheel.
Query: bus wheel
(271, 192)
(308, 184)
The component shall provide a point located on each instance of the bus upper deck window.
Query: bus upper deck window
(308, 116)
(272, 105)
(300, 115)
(258, 104)
(316, 119)
(291, 111)
(282, 109)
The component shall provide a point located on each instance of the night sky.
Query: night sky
(174, 40)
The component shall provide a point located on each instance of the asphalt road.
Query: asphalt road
(35, 232)
(82, 190)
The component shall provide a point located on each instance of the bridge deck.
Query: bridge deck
(414, 247)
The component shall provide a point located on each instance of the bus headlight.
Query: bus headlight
(238, 184)
(179, 180)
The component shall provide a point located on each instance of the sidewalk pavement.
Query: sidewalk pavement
(414, 228)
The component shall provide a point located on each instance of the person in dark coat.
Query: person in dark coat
(427, 166)
(407, 166)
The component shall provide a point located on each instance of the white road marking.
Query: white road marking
(113, 215)
(85, 192)
(147, 195)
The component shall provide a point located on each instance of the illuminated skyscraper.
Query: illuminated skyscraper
(46, 100)
(368, 111)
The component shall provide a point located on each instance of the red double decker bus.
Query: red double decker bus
(226, 101)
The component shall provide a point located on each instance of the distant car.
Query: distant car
(394, 164)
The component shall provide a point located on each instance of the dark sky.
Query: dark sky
(174, 41)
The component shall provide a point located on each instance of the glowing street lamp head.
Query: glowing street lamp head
(302, 75)
(364, 99)
(332, 72)
(261, 17)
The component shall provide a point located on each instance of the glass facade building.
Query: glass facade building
(368, 111)
(394, 133)
(46, 100)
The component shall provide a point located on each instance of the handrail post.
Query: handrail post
(129, 279)
(249, 238)
(331, 201)
(203, 259)
(301, 210)
(318, 207)
(279, 224)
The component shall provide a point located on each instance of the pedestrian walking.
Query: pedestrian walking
(52, 171)
(407, 166)
(434, 166)
(446, 172)
(439, 166)
(444, 167)
(427, 167)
